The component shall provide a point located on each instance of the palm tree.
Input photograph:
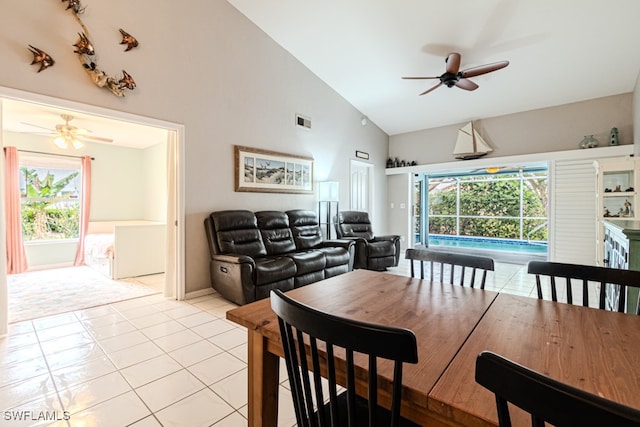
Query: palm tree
(41, 193)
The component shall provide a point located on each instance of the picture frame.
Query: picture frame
(266, 171)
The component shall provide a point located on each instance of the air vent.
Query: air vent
(303, 122)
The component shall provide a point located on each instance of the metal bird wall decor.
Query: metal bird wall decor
(86, 54)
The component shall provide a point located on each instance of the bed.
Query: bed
(120, 249)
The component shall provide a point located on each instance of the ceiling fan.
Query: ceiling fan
(454, 77)
(67, 134)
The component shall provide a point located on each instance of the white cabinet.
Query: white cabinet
(617, 195)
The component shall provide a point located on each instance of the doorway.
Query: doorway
(174, 138)
(361, 185)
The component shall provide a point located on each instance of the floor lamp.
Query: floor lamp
(328, 197)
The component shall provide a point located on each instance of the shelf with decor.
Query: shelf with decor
(618, 221)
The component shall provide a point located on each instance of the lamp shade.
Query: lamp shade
(328, 191)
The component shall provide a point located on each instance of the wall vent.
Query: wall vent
(303, 122)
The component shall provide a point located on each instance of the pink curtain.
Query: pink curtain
(16, 256)
(85, 202)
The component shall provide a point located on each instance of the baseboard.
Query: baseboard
(200, 293)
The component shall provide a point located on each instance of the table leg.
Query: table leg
(263, 382)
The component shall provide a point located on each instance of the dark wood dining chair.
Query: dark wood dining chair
(568, 279)
(546, 399)
(463, 261)
(310, 336)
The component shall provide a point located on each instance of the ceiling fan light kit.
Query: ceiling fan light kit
(454, 77)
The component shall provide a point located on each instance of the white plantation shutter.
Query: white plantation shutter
(573, 212)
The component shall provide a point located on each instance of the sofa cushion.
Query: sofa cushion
(336, 256)
(305, 229)
(308, 261)
(275, 232)
(273, 269)
(237, 233)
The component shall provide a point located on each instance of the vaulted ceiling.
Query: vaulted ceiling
(560, 51)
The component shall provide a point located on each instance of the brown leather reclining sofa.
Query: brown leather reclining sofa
(253, 253)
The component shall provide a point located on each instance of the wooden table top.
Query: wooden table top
(441, 316)
(595, 350)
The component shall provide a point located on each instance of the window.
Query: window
(50, 197)
(510, 205)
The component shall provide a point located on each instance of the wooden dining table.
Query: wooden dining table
(595, 350)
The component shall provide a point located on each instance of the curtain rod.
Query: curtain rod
(53, 154)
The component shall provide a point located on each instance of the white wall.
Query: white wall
(206, 66)
(538, 131)
(154, 166)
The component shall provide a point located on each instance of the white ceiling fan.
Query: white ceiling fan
(66, 134)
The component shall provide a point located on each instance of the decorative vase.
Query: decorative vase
(589, 142)
(613, 136)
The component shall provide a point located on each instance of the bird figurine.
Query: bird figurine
(127, 81)
(129, 40)
(41, 57)
(84, 46)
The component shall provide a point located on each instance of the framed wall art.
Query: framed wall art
(272, 172)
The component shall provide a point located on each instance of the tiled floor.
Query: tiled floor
(145, 362)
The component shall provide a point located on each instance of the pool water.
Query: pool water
(496, 246)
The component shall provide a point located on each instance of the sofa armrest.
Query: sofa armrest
(391, 238)
(345, 242)
(396, 242)
(233, 276)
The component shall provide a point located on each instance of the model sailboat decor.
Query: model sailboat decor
(470, 144)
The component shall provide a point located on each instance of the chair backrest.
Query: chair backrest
(306, 332)
(452, 260)
(354, 224)
(546, 399)
(585, 279)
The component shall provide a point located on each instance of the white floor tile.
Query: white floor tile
(66, 342)
(60, 331)
(177, 340)
(74, 356)
(162, 329)
(233, 420)
(132, 355)
(213, 328)
(82, 372)
(149, 421)
(26, 391)
(195, 352)
(170, 389)
(150, 370)
(23, 370)
(233, 389)
(216, 368)
(119, 342)
(122, 410)
(230, 339)
(197, 319)
(198, 410)
(53, 321)
(87, 394)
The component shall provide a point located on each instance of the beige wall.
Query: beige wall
(206, 66)
(538, 131)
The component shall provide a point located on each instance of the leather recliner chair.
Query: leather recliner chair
(371, 252)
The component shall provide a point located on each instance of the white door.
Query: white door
(361, 186)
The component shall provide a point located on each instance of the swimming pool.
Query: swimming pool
(500, 249)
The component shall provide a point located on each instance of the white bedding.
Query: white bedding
(120, 249)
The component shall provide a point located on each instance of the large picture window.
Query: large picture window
(509, 205)
(50, 197)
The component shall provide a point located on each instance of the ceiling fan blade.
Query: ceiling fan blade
(466, 84)
(94, 138)
(432, 88)
(483, 69)
(453, 63)
(420, 78)
(36, 126)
